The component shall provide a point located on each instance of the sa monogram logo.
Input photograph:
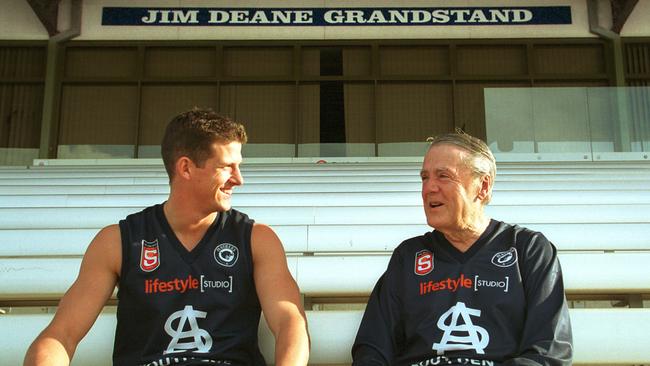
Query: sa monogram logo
(471, 336)
(505, 259)
(200, 340)
(423, 262)
(226, 254)
(149, 255)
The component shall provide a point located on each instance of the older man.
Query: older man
(474, 291)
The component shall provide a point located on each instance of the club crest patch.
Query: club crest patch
(226, 254)
(505, 259)
(423, 262)
(149, 255)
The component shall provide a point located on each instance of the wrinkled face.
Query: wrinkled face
(449, 189)
(214, 182)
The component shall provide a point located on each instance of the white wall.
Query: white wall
(18, 22)
(93, 30)
(638, 24)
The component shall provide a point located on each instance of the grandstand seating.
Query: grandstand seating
(338, 222)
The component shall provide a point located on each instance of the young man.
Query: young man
(475, 291)
(192, 273)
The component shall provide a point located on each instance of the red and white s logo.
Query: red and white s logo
(149, 256)
(423, 262)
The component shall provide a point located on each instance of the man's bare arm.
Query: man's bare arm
(82, 303)
(280, 298)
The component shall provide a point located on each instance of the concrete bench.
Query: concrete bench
(363, 197)
(72, 241)
(601, 336)
(282, 173)
(93, 217)
(338, 224)
(39, 278)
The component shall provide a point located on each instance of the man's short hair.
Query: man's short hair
(481, 160)
(192, 134)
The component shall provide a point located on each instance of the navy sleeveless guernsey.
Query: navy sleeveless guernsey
(186, 308)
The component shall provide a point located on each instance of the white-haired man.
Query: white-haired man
(474, 291)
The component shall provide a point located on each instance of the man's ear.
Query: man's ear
(484, 187)
(183, 167)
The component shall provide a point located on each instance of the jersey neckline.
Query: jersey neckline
(189, 256)
(464, 257)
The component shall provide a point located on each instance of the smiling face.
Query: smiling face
(451, 194)
(213, 182)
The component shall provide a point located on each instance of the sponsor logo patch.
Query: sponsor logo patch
(423, 262)
(505, 259)
(173, 360)
(497, 284)
(448, 284)
(444, 360)
(460, 333)
(455, 284)
(183, 285)
(226, 254)
(149, 255)
(186, 334)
